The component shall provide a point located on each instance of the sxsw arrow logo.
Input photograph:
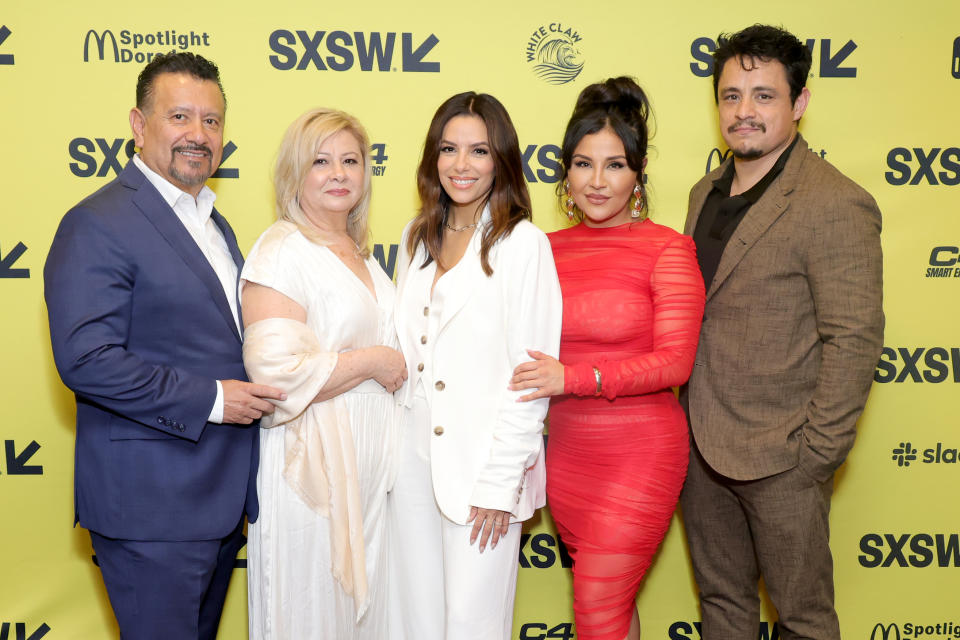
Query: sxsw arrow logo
(223, 172)
(20, 631)
(6, 58)
(17, 465)
(830, 64)
(6, 263)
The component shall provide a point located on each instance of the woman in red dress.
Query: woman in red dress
(632, 305)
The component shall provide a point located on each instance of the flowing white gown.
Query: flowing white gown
(292, 589)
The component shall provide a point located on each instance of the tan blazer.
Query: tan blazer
(793, 325)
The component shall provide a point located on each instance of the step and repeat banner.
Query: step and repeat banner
(885, 87)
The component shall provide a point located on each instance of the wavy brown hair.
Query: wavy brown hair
(508, 197)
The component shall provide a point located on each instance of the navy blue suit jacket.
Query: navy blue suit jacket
(141, 330)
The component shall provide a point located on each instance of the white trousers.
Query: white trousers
(442, 587)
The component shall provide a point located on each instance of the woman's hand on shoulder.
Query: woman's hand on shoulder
(545, 373)
(388, 367)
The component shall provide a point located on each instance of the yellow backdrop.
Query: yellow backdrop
(885, 86)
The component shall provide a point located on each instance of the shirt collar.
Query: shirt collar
(725, 181)
(172, 194)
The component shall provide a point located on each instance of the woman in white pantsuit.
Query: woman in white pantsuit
(477, 287)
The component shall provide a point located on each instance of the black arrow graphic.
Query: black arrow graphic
(223, 172)
(830, 66)
(413, 58)
(16, 463)
(6, 58)
(7, 262)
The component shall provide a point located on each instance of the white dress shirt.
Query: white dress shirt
(194, 214)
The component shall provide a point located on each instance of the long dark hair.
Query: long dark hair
(508, 198)
(618, 103)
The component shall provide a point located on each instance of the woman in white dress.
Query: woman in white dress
(476, 287)
(319, 324)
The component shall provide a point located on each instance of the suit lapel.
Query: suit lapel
(760, 217)
(163, 218)
(461, 281)
(234, 248)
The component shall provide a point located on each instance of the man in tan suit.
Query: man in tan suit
(792, 331)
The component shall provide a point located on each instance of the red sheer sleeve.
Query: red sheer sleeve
(678, 297)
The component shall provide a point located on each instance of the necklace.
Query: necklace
(459, 229)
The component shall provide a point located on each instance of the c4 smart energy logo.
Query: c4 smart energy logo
(944, 262)
(138, 47)
(554, 53)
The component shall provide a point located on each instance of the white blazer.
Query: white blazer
(486, 449)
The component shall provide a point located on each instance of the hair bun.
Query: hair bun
(622, 93)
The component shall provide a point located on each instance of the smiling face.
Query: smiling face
(757, 118)
(465, 165)
(334, 184)
(601, 181)
(180, 130)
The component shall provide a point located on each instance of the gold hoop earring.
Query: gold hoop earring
(569, 201)
(638, 202)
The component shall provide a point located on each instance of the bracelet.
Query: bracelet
(596, 374)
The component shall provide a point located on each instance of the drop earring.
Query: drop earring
(569, 202)
(638, 202)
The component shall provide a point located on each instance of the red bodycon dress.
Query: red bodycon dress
(632, 306)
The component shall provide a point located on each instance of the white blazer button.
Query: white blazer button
(426, 311)
(420, 367)
(438, 431)
(440, 386)
(423, 339)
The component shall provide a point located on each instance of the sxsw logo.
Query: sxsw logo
(17, 464)
(20, 631)
(541, 163)
(387, 259)
(683, 630)
(340, 51)
(906, 453)
(6, 58)
(920, 364)
(100, 156)
(933, 166)
(542, 551)
(831, 57)
(954, 60)
(7, 269)
(917, 550)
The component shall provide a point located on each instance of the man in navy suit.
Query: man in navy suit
(141, 290)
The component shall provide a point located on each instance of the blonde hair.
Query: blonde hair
(295, 158)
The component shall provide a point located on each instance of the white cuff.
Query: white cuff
(216, 413)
